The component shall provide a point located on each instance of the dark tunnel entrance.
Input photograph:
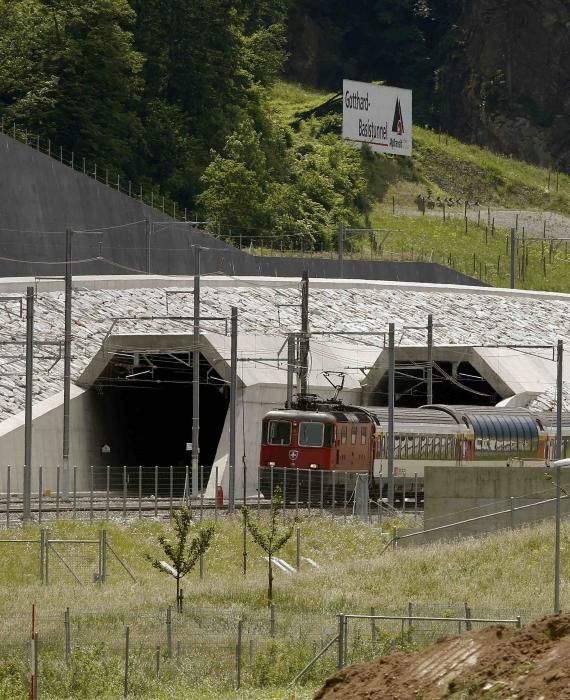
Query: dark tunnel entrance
(455, 383)
(144, 407)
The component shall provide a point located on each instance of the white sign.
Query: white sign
(378, 115)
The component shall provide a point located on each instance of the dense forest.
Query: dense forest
(177, 93)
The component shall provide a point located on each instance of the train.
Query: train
(339, 441)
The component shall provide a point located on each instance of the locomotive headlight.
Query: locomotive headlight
(270, 464)
(314, 466)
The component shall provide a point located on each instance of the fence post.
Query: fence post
(36, 680)
(410, 616)
(108, 488)
(74, 492)
(201, 492)
(46, 556)
(67, 627)
(140, 492)
(322, 493)
(156, 491)
(373, 626)
(124, 491)
(42, 554)
(100, 573)
(169, 631)
(415, 496)
(468, 625)
(333, 492)
(216, 497)
(126, 676)
(171, 487)
(512, 513)
(272, 620)
(8, 489)
(104, 556)
(238, 655)
(340, 647)
(91, 487)
(40, 492)
(298, 549)
(157, 660)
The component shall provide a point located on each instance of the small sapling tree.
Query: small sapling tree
(182, 551)
(270, 537)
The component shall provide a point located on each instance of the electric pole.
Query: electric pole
(66, 365)
(290, 368)
(391, 382)
(430, 359)
(27, 504)
(304, 340)
(196, 375)
(233, 402)
(559, 355)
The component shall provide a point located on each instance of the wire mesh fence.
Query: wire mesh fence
(54, 560)
(234, 646)
(137, 492)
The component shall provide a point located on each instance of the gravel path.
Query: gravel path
(535, 223)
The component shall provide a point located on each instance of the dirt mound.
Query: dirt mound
(496, 662)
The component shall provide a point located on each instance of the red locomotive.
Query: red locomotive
(339, 441)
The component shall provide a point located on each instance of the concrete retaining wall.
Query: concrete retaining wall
(455, 494)
(41, 197)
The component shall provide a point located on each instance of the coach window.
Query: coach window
(363, 435)
(353, 433)
(311, 434)
(343, 435)
(279, 432)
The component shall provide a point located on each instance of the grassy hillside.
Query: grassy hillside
(450, 169)
(502, 575)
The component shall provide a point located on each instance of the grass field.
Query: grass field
(506, 574)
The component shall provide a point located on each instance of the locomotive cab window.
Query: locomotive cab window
(311, 434)
(279, 432)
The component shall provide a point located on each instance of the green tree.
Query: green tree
(69, 71)
(270, 537)
(183, 551)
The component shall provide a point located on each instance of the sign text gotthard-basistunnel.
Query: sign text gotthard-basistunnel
(377, 115)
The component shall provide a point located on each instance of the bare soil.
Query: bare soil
(532, 663)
